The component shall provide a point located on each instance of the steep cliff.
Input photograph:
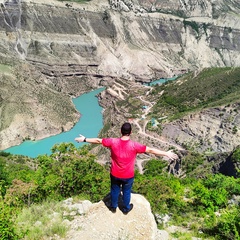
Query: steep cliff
(70, 48)
(171, 37)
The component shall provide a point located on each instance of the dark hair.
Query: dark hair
(126, 129)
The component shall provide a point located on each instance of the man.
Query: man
(123, 156)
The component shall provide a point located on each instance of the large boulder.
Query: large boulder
(98, 223)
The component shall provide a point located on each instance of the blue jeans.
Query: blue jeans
(116, 184)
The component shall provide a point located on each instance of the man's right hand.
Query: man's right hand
(171, 155)
(80, 138)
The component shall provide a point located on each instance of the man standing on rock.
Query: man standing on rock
(123, 157)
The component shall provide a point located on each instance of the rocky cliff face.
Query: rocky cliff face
(211, 130)
(105, 40)
(70, 48)
(185, 8)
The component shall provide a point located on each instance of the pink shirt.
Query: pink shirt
(123, 156)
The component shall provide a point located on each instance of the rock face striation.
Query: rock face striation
(101, 39)
(211, 130)
(58, 50)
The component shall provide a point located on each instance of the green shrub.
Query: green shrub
(192, 161)
(7, 228)
(70, 171)
(226, 226)
(154, 167)
(209, 199)
(164, 194)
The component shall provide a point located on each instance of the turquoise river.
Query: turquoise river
(89, 124)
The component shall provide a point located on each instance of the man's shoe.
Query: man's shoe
(126, 212)
(112, 209)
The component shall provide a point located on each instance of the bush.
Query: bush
(154, 167)
(70, 171)
(227, 226)
(164, 194)
(7, 229)
(209, 199)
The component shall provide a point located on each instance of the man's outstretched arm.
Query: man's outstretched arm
(82, 138)
(171, 155)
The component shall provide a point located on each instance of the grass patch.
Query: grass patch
(181, 236)
(41, 221)
(5, 69)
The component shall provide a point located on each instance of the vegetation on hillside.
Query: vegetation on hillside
(208, 207)
(5, 68)
(209, 88)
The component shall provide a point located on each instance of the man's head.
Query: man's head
(126, 129)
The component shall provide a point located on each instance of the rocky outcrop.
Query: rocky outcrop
(98, 223)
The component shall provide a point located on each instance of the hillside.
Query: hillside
(206, 105)
(66, 196)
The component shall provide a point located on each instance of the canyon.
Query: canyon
(57, 50)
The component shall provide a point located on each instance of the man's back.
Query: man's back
(123, 155)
